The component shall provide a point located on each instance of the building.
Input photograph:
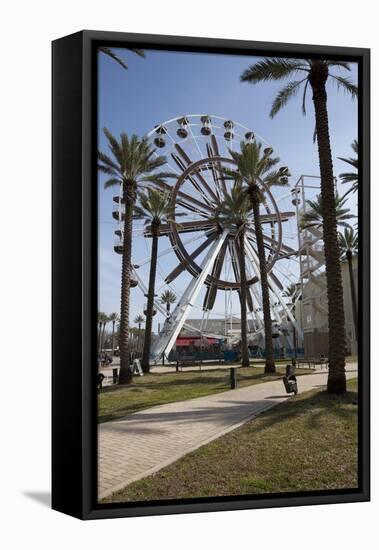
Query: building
(312, 313)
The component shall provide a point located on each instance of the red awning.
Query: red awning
(196, 340)
(184, 342)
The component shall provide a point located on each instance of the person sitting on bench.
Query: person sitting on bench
(289, 380)
(100, 378)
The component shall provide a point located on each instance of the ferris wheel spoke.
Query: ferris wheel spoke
(194, 209)
(192, 180)
(184, 264)
(273, 242)
(197, 175)
(269, 218)
(276, 280)
(186, 200)
(213, 172)
(183, 227)
(211, 292)
(216, 152)
(237, 275)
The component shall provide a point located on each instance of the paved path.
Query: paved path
(144, 442)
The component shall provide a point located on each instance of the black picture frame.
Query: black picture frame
(74, 206)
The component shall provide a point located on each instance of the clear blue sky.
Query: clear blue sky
(170, 84)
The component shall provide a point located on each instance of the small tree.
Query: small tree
(256, 169)
(114, 318)
(234, 213)
(155, 208)
(138, 321)
(348, 242)
(315, 74)
(168, 297)
(101, 316)
(293, 293)
(130, 166)
(351, 177)
(312, 217)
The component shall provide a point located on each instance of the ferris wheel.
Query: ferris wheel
(197, 260)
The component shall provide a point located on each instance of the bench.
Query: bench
(187, 361)
(301, 363)
(322, 361)
(312, 362)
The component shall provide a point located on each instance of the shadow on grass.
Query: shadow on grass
(187, 379)
(321, 403)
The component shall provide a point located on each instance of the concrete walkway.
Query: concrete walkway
(144, 442)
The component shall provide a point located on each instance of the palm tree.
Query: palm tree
(348, 243)
(168, 297)
(131, 165)
(101, 317)
(105, 321)
(111, 53)
(293, 292)
(138, 321)
(234, 212)
(312, 217)
(315, 73)
(256, 168)
(114, 318)
(351, 177)
(154, 207)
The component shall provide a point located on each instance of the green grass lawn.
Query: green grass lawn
(157, 389)
(306, 443)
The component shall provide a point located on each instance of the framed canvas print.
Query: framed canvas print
(210, 274)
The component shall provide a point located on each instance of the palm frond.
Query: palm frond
(106, 170)
(113, 55)
(343, 64)
(274, 68)
(111, 183)
(346, 84)
(351, 177)
(138, 52)
(154, 206)
(107, 161)
(313, 216)
(284, 95)
(304, 97)
(168, 297)
(110, 53)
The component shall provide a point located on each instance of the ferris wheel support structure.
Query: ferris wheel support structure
(174, 324)
(275, 290)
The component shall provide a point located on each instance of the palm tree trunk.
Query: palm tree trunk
(99, 338)
(102, 338)
(126, 374)
(269, 363)
(113, 323)
(336, 316)
(139, 339)
(294, 334)
(244, 348)
(150, 300)
(349, 258)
